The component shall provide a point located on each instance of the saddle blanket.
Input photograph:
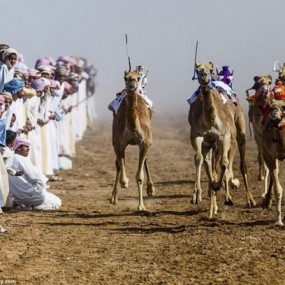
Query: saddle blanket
(193, 98)
(116, 103)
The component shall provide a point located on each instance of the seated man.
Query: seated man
(226, 76)
(8, 153)
(143, 79)
(29, 189)
(279, 90)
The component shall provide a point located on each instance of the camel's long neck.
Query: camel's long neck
(209, 111)
(132, 111)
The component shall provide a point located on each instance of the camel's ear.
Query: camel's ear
(211, 65)
(125, 73)
(197, 64)
(256, 78)
(139, 78)
(270, 77)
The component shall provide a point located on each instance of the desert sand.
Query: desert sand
(90, 241)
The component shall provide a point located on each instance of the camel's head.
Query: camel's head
(204, 72)
(277, 113)
(132, 79)
(262, 83)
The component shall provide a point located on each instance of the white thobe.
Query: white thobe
(29, 189)
(4, 184)
(80, 111)
(34, 136)
(6, 75)
(66, 139)
(53, 127)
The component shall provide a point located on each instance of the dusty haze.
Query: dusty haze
(161, 35)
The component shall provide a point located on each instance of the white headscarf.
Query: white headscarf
(6, 54)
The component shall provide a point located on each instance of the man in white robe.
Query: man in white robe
(53, 125)
(34, 136)
(29, 189)
(10, 59)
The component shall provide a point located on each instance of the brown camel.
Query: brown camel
(132, 126)
(208, 120)
(273, 150)
(212, 125)
(257, 109)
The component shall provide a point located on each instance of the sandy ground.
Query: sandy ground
(90, 241)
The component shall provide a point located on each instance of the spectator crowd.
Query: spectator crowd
(44, 111)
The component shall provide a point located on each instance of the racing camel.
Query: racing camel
(214, 124)
(132, 126)
(258, 106)
(273, 150)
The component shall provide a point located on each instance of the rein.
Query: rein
(137, 108)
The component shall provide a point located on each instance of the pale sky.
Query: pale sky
(247, 35)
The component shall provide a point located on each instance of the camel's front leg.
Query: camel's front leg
(150, 187)
(140, 174)
(208, 163)
(274, 174)
(260, 166)
(278, 193)
(213, 203)
(208, 159)
(265, 181)
(224, 146)
(120, 153)
(114, 197)
(124, 180)
(267, 200)
(198, 158)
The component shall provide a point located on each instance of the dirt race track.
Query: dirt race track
(90, 241)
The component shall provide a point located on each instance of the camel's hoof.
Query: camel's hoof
(2, 230)
(251, 203)
(141, 208)
(260, 178)
(229, 202)
(196, 200)
(150, 190)
(113, 201)
(266, 203)
(279, 223)
(263, 195)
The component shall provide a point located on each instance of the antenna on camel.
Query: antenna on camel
(275, 67)
(130, 67)
(194, 74)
